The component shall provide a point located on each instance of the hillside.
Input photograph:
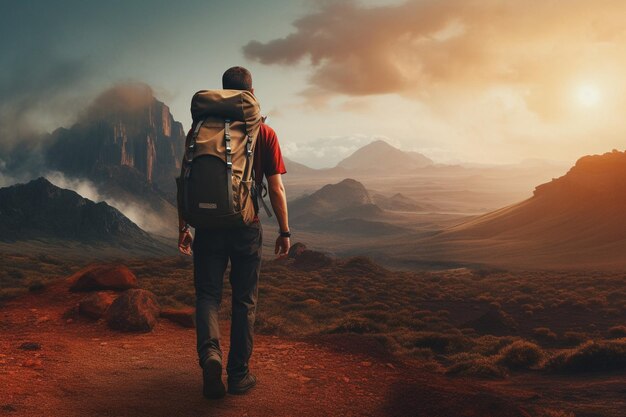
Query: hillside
(40, 211)
(347, 198)
(297, 168)
(575, 220)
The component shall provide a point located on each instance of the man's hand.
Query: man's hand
(184, 242)
(282, 247)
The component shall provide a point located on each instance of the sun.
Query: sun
(588, 95)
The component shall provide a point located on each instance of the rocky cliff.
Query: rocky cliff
(124, 127)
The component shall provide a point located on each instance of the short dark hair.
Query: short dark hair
(237, 78)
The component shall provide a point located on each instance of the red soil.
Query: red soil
(85, 369)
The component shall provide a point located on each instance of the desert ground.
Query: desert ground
(335, 337)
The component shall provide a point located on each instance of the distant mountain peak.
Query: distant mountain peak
(347, 198)
(379, 155)
(347, 191)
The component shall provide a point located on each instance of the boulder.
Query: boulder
(95, 304)
(310, 260)
(184, 317)
(296, 250)
(495, 322)
(30, 346)
(134, 310)
(103, 277)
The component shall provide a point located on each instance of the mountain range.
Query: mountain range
(345, 207)
(40, 211)
(574, 220)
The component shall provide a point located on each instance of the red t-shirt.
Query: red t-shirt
(268, 159)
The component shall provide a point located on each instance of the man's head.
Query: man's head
(237, 78)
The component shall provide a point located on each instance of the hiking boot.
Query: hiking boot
(241, 385)
(212, 376)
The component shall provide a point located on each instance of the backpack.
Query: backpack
(216, 187)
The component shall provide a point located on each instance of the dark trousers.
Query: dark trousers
(211, 251)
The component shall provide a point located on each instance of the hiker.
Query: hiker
(228, 151)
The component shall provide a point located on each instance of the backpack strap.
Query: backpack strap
(229, 164)
(261, 195)
(257, 196)
(188, 158)
(192, 143)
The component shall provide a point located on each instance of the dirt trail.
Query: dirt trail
(84, 369)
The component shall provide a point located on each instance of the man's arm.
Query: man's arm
(278, 198)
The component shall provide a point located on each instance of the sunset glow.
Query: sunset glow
(588, 95)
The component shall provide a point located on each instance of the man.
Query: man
(212, 249)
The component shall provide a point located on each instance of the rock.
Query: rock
(30, 346)
(310, 260)
(296, 250)
(184, 317)
(103, 277)
(495, 322)
(95, 304)
(135, 310)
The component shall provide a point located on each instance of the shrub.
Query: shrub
(359, 325)
(544, 333)
(592, 356)
(490, 345)
(476, 366)
(575, 338)
(442, 342)
(521, 355)
(554, 413)
(617, 332)
(36, 286)
(9, 293)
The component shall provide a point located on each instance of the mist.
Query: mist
(140, 214)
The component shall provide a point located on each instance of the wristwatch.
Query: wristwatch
(285, 234)
(184, 229)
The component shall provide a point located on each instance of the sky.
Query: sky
(486, 81)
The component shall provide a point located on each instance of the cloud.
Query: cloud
(430, 49)
(37, 93)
